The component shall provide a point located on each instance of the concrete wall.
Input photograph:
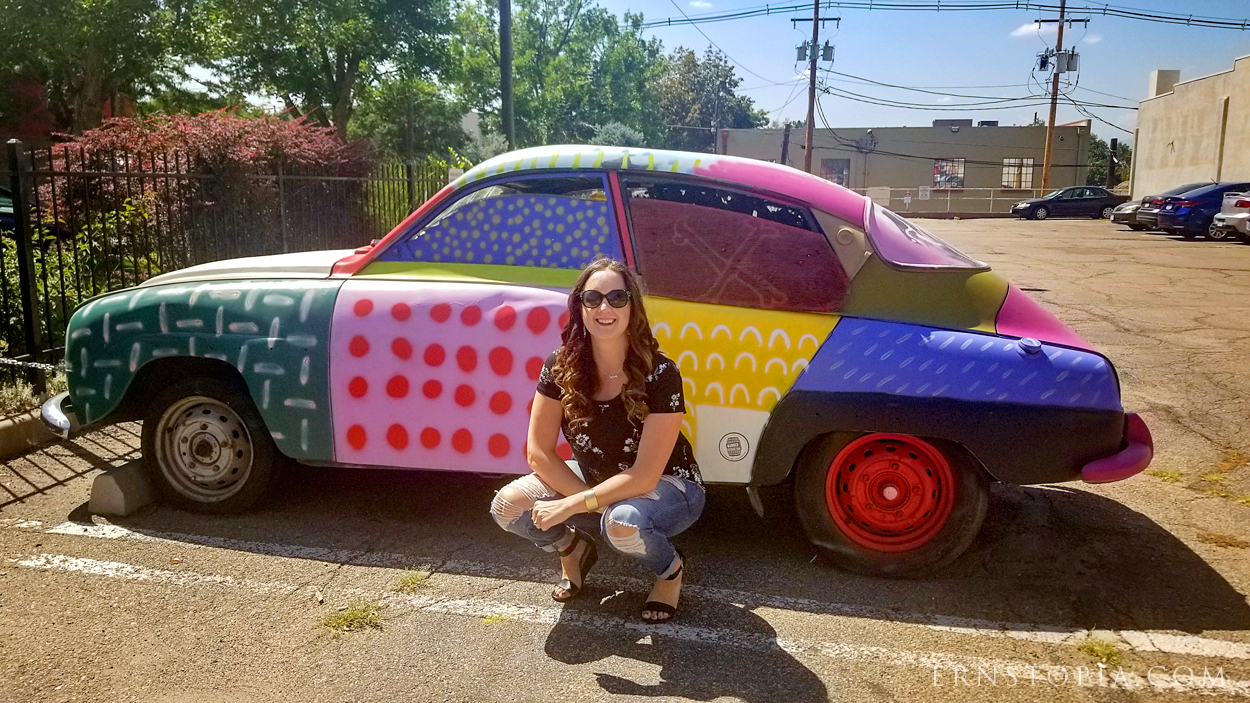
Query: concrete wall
(1198, 131)
(903, 157)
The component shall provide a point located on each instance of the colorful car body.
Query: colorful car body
(795, 309)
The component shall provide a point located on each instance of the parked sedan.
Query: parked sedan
(820, 337)
(1076, 201)
(1193, 213)
(1148, 213)
(1234, 216)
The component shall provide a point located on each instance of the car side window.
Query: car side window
(1070, 194)
(548, 222)
(711, 245)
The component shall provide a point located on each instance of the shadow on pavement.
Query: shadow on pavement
(690, 667)
(1050, 558)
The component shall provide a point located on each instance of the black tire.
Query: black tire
(224, 460)
(1106, 213)
(1188, 235)
(1136, 227)
(971, 500)
(1040, 212)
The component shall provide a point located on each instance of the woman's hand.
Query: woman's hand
(549, 513)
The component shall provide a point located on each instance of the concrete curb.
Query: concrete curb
(21, 433)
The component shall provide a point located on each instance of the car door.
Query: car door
(437, 344)
(1066, 202)
(743, 290)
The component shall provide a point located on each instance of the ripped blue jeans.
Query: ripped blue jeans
(654, 517)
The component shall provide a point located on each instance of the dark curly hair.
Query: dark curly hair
(574, 365)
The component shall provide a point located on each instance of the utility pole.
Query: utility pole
(811, 88)
(785, 146)
(1054, 104)
(505, 72)
(1113, 178)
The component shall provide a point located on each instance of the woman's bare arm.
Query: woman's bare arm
(655, 446)
(540, 451)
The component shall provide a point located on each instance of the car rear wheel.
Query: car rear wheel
(206, 447)
(1106, 212)
(888, 504)
(1041, 212)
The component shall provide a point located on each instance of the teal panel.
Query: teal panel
(275, 333)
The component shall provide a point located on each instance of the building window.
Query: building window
(1018, 174)
(836, 170)
(948, 173)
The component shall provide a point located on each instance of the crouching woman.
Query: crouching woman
(619, 402)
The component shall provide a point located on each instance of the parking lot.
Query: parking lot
(171, 606)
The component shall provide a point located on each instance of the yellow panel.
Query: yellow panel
(735, 357)
(472, 273)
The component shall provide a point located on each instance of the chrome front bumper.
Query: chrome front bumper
(58, 416)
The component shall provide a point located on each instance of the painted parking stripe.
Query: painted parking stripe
(720, 637)
(1141, 641)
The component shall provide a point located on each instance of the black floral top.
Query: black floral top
(608, 443)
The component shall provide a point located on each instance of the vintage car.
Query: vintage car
(822, 340)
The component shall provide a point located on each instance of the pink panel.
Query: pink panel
(1021, 316)
(438, 375)
(803, 187)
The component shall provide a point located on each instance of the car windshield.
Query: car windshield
(1186, 188)
(1053, 194)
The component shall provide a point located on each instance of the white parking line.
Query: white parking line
(944, 666)
(1142, 641)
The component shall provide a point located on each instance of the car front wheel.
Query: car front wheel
(888, 504)
(206, 447)
(1040, 213)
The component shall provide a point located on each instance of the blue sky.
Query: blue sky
(976, 49)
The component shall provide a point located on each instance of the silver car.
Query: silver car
(1233, 217)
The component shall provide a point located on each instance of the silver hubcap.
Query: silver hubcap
(1041, 213)
(1214, 233)
(203, 449)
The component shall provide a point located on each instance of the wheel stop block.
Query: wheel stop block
(121, 491)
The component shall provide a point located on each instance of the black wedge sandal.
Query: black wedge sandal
(584, 564)
(655, 606)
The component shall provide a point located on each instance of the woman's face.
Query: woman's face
(604, 322)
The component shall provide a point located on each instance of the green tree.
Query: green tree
(1099, 151)
(85, 53)
(575, 65)
(694, 97)
(318, 56)
(409, 117)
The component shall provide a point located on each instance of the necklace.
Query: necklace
(613, 377)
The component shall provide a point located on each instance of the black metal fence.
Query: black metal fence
(85, 223)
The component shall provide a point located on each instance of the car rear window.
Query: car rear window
(1199, 192)
(904, 243)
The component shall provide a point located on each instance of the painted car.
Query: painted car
(822, 340)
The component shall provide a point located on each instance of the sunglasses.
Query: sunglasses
(592, 299)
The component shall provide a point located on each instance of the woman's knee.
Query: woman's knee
(509, 505)
(622, 525)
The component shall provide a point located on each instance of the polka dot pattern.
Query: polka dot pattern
(517, 230)
(454, 390)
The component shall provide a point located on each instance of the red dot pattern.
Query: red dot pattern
(462, 405)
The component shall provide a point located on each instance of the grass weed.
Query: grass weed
(494, 619)
(1102, 650)
(361, 616)
(412, 579)
(1166, 475)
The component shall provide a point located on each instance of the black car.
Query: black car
(1075, 201)
(1191, 214)
(1147, 214)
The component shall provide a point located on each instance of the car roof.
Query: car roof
(751, 174)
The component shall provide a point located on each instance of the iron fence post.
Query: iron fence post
(412, 185)
(18, 183)
(282, 207)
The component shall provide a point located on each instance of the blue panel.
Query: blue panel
(869, 356)
(546, 231)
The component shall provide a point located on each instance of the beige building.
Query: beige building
(953, 166)
(1194, 130)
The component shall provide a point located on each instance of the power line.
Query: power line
(726, 53)
(995, 104)
(1123, 12)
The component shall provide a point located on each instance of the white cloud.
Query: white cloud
(1093, 38)
(1031, 30)
(700, 4)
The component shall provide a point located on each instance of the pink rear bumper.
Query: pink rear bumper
(1128, 461)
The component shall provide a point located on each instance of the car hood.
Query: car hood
(306, 264)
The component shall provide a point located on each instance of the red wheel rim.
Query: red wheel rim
(890, 492)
